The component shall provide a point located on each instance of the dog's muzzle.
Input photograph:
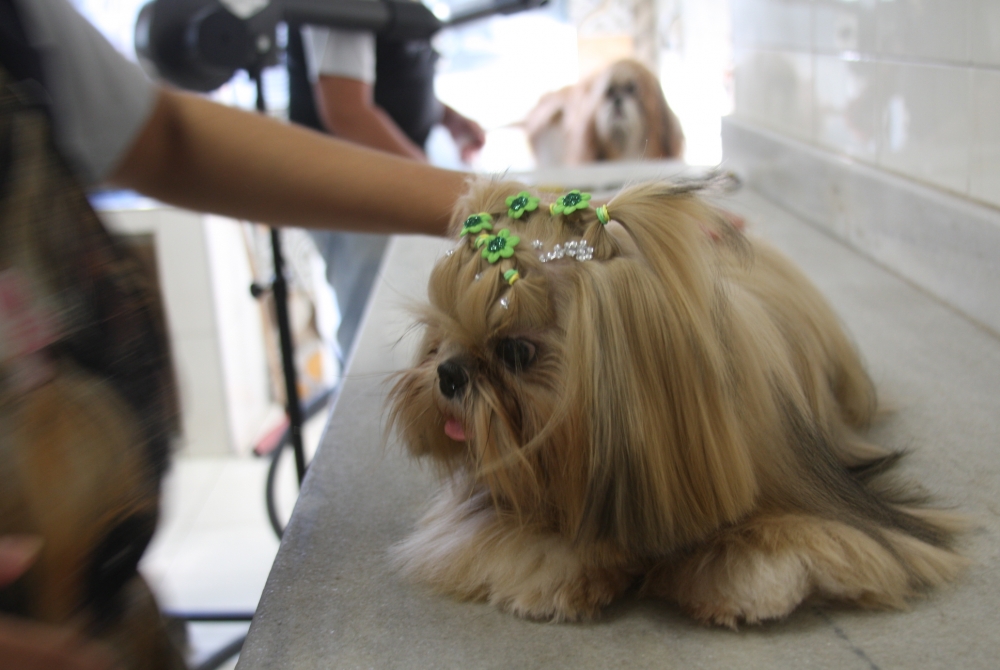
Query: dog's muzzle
(452, 379)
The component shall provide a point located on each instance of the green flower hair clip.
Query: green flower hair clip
(569, 203)
(476, 223)
(521, 203)
(498, 246)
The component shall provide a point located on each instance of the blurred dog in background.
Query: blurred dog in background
(616, 114)
(87, 405)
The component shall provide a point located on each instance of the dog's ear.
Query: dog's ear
(666, 135)
(647, 373)
(549, 111)
(582, 142)
(671, 134)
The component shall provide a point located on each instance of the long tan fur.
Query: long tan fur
(690, 422)
(617, 113)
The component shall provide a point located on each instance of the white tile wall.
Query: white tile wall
(935, 30)
(775, 89)
(984, 32)
(847, 106)
(840, 26)
(910, 86)
(782, 24)
(926, 123)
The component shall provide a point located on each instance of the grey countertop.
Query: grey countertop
(332, 600)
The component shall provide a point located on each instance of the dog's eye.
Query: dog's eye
(628, 88)
(515, 354)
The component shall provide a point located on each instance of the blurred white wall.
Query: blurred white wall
(909, 86)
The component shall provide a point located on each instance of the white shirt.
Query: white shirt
(99, 100)
(340, 53)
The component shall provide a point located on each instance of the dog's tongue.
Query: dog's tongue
(453, 429)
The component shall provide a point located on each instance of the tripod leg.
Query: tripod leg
(292, 404)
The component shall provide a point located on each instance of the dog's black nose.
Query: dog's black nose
(452, 378)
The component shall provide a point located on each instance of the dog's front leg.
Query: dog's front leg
(463, 548)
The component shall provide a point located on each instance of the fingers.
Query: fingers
(17, 553)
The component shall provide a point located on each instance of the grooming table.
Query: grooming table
(333, 601)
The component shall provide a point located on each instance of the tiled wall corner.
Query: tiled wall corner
(944, 243)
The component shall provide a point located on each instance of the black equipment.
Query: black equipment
(200, 44)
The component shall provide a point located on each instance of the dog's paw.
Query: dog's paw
(755, 588)
(577, 600)
(758, 589)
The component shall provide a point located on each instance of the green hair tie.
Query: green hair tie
(602, 215)
(511, 276)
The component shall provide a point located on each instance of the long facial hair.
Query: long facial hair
(683, 378)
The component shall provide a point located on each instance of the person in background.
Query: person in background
(377, 92)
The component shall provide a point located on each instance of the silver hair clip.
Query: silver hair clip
(578, 249)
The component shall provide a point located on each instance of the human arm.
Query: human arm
(28, 645)
(347, 108)
(199, 155)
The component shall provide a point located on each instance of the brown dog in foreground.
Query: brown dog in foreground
(656, 401)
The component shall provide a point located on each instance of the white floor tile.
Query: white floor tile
(214, 547)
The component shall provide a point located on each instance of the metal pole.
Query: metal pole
(293, 406)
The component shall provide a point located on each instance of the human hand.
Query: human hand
(28, 645)
(468, 135)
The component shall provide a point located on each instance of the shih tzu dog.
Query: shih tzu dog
(638, 395)
(616, 114)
